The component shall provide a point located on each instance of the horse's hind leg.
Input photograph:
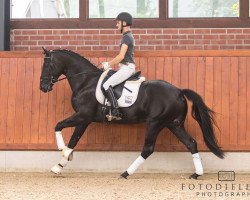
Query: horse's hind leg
(153, 129)
(191, 145)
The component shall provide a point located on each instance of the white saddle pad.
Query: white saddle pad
(127, 98)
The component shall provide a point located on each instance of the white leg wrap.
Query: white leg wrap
(67, 153)
(197, 164)
(59, 140)
(135, 165)
(58, 168)
(63, 162)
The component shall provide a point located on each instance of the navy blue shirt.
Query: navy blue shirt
(128, 39)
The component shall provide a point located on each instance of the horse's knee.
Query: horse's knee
(192, 146)
(147, 151)
(59, 126)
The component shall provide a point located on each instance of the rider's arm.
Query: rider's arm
(120, 56)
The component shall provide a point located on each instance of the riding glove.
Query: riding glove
(106, 66)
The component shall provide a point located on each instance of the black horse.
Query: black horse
(159, 104)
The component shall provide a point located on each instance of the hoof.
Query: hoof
(56, 169)
(194, 176)
(124, 175)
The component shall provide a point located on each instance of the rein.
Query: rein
(55, 81)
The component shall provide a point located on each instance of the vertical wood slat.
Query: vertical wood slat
(221, 81)
(12, 101)
(248, 102)
(242, 103)
(151, 68)
(35, 112)
(233, 101)
(225, 78)
(2, 106)
(27, 105)
(20, 100)
(4, 97)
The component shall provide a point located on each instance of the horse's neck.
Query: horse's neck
(81, 75)
(83, 83)
(76, 66)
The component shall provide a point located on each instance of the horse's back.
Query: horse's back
(161, 89)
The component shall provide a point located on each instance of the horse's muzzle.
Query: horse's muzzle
(46, 87)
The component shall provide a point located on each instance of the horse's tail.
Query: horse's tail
(204, 116)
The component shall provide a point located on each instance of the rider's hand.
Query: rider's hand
(105, 66)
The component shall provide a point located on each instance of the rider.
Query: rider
(125, 59)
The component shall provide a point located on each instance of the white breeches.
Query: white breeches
(124, 72)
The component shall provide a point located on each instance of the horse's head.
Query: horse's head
(51, 70)
(69, 63)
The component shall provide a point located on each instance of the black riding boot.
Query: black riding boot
(116, 114)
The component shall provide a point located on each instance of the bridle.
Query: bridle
(54, 80)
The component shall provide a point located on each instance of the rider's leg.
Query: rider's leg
(114, 104)
(121, 75)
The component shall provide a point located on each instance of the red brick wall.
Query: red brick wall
(146, 39)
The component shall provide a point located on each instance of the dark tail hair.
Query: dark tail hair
(205, 117)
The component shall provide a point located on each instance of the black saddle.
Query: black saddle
(118, 88)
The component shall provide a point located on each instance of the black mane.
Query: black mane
(75, 55)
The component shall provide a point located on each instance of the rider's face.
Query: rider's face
(119, 24)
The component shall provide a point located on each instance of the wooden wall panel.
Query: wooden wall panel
(28, 117)
(248, 102)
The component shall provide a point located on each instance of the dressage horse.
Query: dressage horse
(159, 104)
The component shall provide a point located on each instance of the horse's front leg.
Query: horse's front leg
(73, 121)
(67, 152)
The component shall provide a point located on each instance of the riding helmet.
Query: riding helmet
(126, 17)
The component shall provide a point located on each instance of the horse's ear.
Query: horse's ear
(45, 51)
